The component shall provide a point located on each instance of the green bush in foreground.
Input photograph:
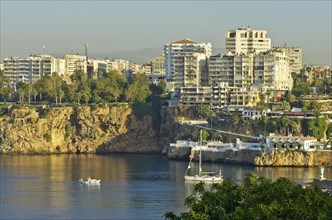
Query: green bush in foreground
(256, 198)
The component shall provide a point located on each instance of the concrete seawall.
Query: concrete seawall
(257, 157)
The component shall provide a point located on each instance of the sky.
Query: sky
(108, 26)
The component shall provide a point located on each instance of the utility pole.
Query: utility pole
(86, 52)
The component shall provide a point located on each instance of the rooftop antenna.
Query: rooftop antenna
(44, 47)
(86, 52)
(72, 49)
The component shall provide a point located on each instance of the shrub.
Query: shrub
(47, 137)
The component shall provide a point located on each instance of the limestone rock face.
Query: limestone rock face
(294, 158)
(77, 130)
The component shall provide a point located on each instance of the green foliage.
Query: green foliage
(318, 127)
(43, 112)
(67, 131)
(203, 111)
(256, 198)
(138, 90)
(47, 137)
(5, 88)
(159, 89)
(301, 88)
(261, 105)
(155, 111)
(205, 136)
(140, 109)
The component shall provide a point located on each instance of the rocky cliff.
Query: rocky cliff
(81, 130)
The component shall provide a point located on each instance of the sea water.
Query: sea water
(133, 186)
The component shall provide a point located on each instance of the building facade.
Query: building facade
(236, 70)
(294, 55)
(219, 96)
(245, 40)
(29, 69)
(272, 69)
(185, 62)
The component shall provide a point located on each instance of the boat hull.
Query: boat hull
(204, 178)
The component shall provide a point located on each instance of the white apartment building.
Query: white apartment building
(196, 95)
(185, 61)
(272, 69)
(219, 96)
(59, 66)
(236, 70)
(75, 62)
(268, 69)
(29, 69)
(158, 66)
(95, 66)
(245, 40)
(123, 66)
(294, 55)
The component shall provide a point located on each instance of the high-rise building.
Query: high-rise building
(158, 66)
(235, 70)
(245, 40)
(75, 62)
(29, 69)
(294, 57)
(272, 69)
(185, 62)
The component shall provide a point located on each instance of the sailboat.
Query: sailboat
(202, 176)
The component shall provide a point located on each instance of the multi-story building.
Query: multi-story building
(75, 62)
(59, 66)
(196, 95)
(185, 61)
(236, 70)
(272, 69)
(244, 40)
(158, 66)
(219, 96)
(95, 66)
(294, 55)
(29, 69)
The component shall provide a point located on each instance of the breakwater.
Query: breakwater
(266, 157)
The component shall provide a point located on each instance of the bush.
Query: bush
(256, 198)
(67, 131)
(43, 112)
(140, 109)
(47, 137)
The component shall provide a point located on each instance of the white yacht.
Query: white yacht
(211, 177)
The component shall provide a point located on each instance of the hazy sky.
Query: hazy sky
(26, 26)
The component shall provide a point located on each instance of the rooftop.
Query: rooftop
(184, 41)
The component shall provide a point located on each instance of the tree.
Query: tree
(138, 89)
(256, 198)
(261, 104)
(21, 88)
(285, 106)
(301, 89)
(235, 119)
(5, 88)
(203, 111)
(295, 78)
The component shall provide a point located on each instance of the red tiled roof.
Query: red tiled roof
(184, 41)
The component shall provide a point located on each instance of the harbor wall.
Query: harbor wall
(257, 157)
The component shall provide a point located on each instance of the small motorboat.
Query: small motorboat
(89, 181)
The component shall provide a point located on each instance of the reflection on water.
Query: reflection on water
(132, 186)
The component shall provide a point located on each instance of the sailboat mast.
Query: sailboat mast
(200, 154)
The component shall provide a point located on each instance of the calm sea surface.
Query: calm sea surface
(132, 187)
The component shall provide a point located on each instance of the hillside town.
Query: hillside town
(251, 80)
